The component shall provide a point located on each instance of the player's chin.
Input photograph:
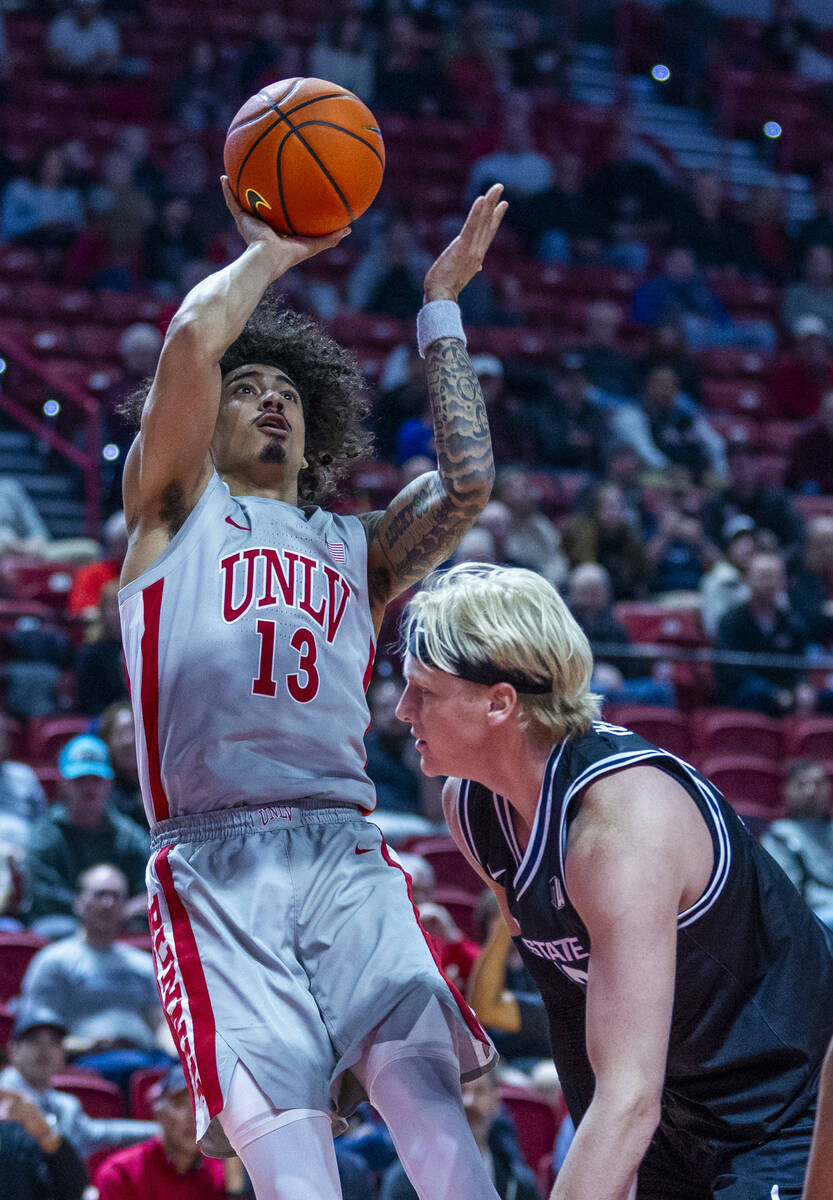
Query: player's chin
(273, 451)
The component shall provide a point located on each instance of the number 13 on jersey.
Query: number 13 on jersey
(302, 684)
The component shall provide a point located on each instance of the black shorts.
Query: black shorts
(678, 1168)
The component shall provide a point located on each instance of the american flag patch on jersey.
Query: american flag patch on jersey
(337, 551)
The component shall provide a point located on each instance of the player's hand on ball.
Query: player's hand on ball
(463, 258)
(289, 251)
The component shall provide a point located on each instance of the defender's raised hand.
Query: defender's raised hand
(463, 258)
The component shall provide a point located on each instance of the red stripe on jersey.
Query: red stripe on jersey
(368, 672)
(196, 990)
(465, 1012)
(152, 602)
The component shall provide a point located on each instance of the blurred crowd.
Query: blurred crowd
(618, 480)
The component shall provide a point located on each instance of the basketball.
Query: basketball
(304, 155)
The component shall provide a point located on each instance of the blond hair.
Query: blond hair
(512, 620)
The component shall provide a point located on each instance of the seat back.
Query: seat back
(535, 1121)
(16, 952)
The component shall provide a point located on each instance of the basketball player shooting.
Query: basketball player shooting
(689, 988)
(292, 970)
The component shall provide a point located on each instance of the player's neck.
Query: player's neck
(518, 772)
(266, 486)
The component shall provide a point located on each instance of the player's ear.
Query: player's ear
(503, 701)
(304, 464)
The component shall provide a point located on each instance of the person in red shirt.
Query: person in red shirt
(172, 1166)
(801, 378)
(88, 581)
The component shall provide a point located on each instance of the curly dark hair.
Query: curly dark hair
(328, 377)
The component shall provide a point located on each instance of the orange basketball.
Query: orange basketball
(304, 155)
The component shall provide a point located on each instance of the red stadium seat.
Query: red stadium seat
(48, 734)
(6, 1023)
(535, 1121)
(16, 739)
(99, 1097)
(50, 780)
(736, 731)
(655, 623)
(751, 785)
(30, 579)
(664, 727)
(461, 904)
(138, 1087)
(16, 952)
(450, 867)
(814, 506)
(809, 737)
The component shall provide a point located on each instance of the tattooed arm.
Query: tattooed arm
(423, 524)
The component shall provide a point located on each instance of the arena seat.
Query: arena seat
(535, 1121)
(734, 396)
(6, 1024)
(48, 734)
(49, 778)
(664, 727)
(16, 952)
(26, 578)
(16, 740)
(720, 731)
(139, 1084)
(650, 622)
(450, 867)
(99, 1097)
(461, 904)
(814, 506)
(810, 737)
(751, 785)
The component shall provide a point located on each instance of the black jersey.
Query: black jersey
(753, 1003)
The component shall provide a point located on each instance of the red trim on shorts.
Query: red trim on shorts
(465, 1012)
(196, 990)
(152, 607)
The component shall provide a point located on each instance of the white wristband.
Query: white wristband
(438, 319)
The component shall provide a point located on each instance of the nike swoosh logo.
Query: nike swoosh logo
(243, 528)
(367, 850)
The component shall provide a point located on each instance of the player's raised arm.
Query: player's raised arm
(627, 876)
(424, 523)
(171, 452)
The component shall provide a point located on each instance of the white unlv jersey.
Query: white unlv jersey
(249, 646)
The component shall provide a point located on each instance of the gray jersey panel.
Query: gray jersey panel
(248, 643)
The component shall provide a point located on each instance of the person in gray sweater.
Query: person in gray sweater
(802, 842)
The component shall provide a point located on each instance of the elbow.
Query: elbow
(472, 490)
(635, 1111)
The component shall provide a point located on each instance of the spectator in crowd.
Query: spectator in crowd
(191, 173)
(812, 295)
(516, 163)
(810, 466)
(89, 580)
(134, 141)
(35, 1055)
(198, 96)
(103, 989)
(818, 229)
(603, 534)
(22, 799)
(811, 582)
(83, 42)
(36, 1163)
(496, 1140)
(530, 540)
(538, 57)
(704, 223)
(668, 430)
(621, 679)
(765, 214)
(632, 194)
(679, 292)
(607, 367)
(557, 224)
(256, 57)
(40, 207)
(478, 545)
(724, 586)
(172, 243)
(476, 67)
(80, 832)
(784, 36)
(572, 432)
(690, 36)
(391, 763)
(405, 401)
(516, 1019)
(408, 74)
(806, 372)
(344, 52)
(765, 625)
(387, 279)
(119, 215)
(455, 952)
(100, 675)
(802, 841)
(170, 1166)
(748, 495)
(667, 348)
(679, 554)
(138, 350)
(22, 531)
(509, 421)
(496, 519)
(118, 732)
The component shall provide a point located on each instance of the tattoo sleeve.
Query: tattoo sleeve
(426, 521)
